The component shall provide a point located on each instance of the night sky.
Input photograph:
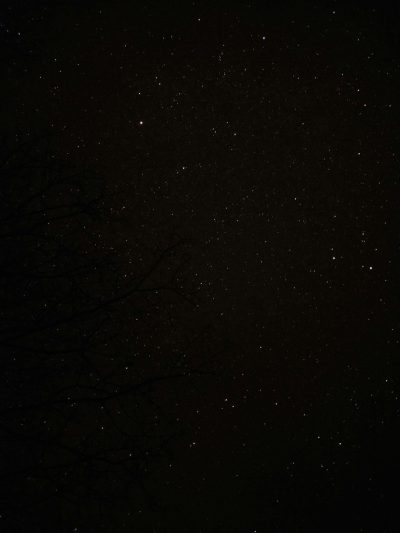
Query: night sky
(232, 283)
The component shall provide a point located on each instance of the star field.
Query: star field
(242, 266)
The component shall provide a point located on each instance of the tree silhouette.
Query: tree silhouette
(81, 314)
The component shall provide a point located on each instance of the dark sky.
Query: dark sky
(268, 137)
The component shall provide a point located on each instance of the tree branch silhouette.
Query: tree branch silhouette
(77, 417)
